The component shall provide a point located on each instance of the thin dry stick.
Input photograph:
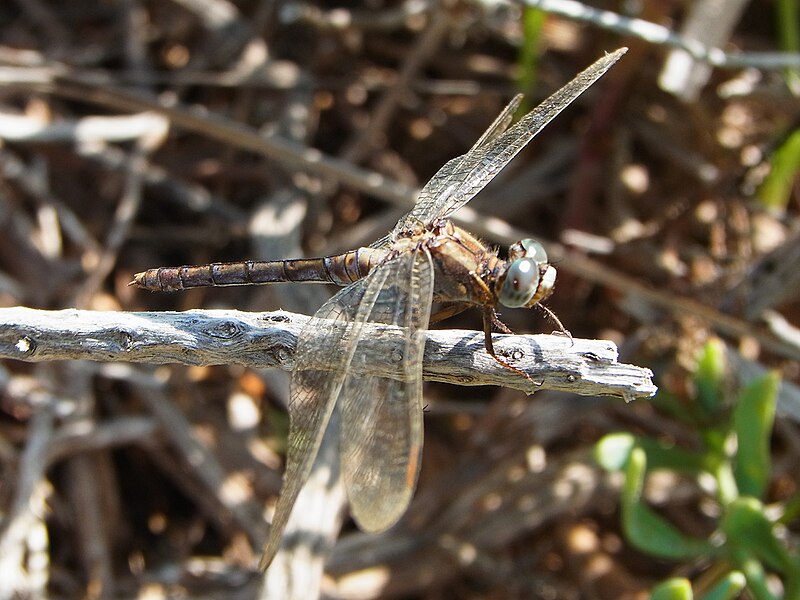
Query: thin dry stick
(587, 367)
(14, 169)
(72, 439)
(291, 154)
(341, 19)
(710, 22)
(20, 519)
(88, 494)
(124, 217)
(658, 34)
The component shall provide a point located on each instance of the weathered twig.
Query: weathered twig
(658, 34)
(553, 362)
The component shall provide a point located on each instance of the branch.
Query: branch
(258, 340)
(658, 34)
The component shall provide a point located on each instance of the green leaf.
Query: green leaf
(673, 458)
(792, 580)
(673, 589)
(752, 420)
(530, 50)
(727, 588)
(715, 439)
(647, 530)
(727, 489)
(750, 533)
(709, 376)
(787, 17)
(776, 190)
(754, 574)
(613, 451)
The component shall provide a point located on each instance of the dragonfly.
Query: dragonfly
(394, 282)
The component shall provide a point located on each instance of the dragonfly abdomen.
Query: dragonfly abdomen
(342, 269)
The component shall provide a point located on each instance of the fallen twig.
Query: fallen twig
(555, 362)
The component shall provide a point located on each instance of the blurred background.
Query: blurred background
(138, 134)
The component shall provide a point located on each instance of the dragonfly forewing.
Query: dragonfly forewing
(432, 193)
(381, 444)
(460, 179)
(500, 124)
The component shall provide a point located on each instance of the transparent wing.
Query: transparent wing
(435, 190)
(499, 125)
(430, 192)
(459, 180)
(381, 443)
(325, 349)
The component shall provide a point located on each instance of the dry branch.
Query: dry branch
(258, 340)
(658, 34)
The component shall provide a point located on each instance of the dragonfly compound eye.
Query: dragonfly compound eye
(521, 283)
(528, 248)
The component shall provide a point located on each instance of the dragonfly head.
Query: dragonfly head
(529, 278)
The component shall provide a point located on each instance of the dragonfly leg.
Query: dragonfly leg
(552, 316)
(491, 320)
(498, 324)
